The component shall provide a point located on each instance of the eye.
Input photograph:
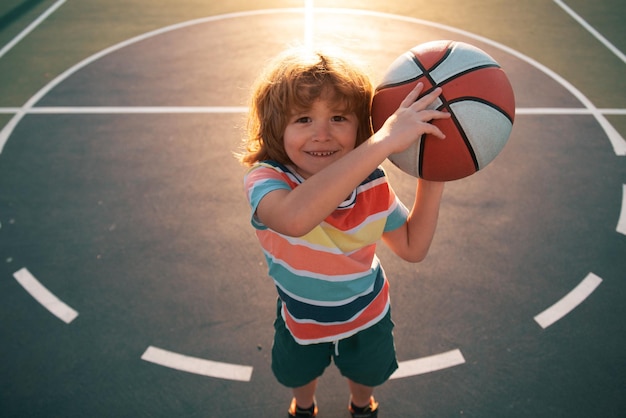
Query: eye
(338, 118)
(302, 119)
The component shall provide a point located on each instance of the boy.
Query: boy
(320, 202)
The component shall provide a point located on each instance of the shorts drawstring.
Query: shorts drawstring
(336, 348)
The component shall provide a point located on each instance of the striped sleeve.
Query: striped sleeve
(398, 213)
(260, 180)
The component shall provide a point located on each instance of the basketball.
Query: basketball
(475, 91)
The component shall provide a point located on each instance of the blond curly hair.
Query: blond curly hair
(290, 84)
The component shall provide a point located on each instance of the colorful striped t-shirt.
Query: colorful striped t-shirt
(330, 280)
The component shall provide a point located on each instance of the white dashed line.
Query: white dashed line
(621, 223)
(44, 296)
(428, 364)
(197, 365)
(244, 373)
(569, 301)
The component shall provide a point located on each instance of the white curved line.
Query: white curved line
(621, 223)
(31, 27)
(197, 365)
(591, 30)
(618, 143)
(569, 301)
(10, 126)
(428, 364)
(44, 296)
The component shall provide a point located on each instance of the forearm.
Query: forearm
(298, 211)
(413, 241)
(311, 202)
(422, 221)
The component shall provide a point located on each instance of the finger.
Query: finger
(430, 114)
(435, 131)
(413, 95)
(427, 99)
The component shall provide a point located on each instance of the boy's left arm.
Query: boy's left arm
(412, 240)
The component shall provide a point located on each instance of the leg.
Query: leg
(305, 395)
(361, 394)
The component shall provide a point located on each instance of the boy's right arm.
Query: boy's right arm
(296, 212)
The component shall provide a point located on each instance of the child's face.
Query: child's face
(319, 136)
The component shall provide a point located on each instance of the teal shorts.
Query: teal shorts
(367, 358)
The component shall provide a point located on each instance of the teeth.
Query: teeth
(322, 154)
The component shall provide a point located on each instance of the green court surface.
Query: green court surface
(132, 285)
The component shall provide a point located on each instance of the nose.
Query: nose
(321, 131)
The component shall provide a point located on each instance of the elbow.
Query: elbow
(414, 258)
(294, 232)
(412, 252)
(290, 224)
(414, 255)
(293, 229)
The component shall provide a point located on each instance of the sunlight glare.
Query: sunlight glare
(308, 23)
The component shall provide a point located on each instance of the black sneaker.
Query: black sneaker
(296, 412)
(370, 411)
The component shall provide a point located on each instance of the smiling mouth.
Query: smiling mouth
(321, 153)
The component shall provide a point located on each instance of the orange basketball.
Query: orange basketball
(475, 91)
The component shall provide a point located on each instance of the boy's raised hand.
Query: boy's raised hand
(412, 120)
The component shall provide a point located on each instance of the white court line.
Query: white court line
(618, 143)
(566, 111)
(569, 301)
(428, 364)
(63, 110)
(44, 296)
(197, 365)
(6, 131)
(31, 27)
(591, 30)
(621, 223)
(58, 110)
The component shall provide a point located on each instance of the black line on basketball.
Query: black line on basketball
(425, 72)
(400, 83)
(470, 70)
(485, 102)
